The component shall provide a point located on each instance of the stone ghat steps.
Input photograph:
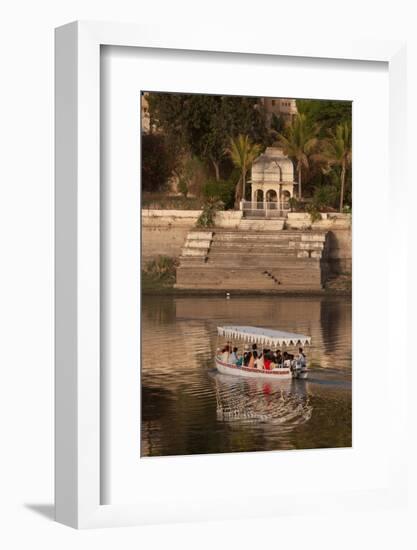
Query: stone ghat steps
(261, 263)
(252, 260)
(284, 278)
(262, 225)
(263, 259)
(263, 249)
(243, 237)
(250, 246)
(260, 235)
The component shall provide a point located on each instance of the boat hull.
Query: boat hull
(301, 374)
(275, 374)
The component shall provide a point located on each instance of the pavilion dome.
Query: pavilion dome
(272, 167)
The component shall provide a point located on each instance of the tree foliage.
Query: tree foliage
(336, 150)
(196, 137)
(325, 114)
(193, 172)
(159, 160)
(222, 190)
(242, 152)
(203, 124)
(299, 141)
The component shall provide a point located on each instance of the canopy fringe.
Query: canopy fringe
(263, 336)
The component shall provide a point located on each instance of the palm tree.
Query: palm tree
(298, 142)
(242, 152)
(337, 151)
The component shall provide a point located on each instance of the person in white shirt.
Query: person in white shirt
(233, 357)
(259, 362)
(286, 360)
(225, 354)
(301, 362)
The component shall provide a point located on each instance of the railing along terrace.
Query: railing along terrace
(265, 209)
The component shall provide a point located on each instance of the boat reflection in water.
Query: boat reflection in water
(281, 402)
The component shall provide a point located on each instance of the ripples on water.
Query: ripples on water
(189, 408)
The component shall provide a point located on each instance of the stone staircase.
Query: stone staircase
(196, 247)
(250, 259)
(252, 224)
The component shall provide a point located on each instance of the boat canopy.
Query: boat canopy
(263, 335)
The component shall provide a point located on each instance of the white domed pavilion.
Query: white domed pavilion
(272, 182)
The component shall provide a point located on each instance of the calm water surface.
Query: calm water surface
(189, 408)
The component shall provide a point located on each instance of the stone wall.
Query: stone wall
(340, 250)
(165, 231)
(333, 220)
(339, 236)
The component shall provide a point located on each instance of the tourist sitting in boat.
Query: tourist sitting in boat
(253, 356)
(271, 355)
(301, 361)
(259, 361)
(267, 363)
(278, 358)
(226, 353)
(286, 360)
(235, 359)
(233, 356)
(246, 358)
(269, 360)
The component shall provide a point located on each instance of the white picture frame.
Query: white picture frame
(78, 405)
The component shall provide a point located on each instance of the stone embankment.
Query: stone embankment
(165, 232)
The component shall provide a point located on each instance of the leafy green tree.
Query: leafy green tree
(194, 173)
(299, 142)
(203, 123)
(336, 150)
(242, 152)
(277, 123)
(159, 161)
(325, 114)
(325, 196)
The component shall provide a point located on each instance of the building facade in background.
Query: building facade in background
(283, 108)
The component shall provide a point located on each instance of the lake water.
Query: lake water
(189, 408)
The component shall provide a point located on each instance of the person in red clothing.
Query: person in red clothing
(267, 360)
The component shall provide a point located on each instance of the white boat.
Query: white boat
(264, 337)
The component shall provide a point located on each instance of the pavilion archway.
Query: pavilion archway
(271, 196)
(259, 196)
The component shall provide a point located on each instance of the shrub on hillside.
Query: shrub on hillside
(207, 216)
(325, 197)
(162, 269)
(314, 212)
(183, 188)
(220, 190)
